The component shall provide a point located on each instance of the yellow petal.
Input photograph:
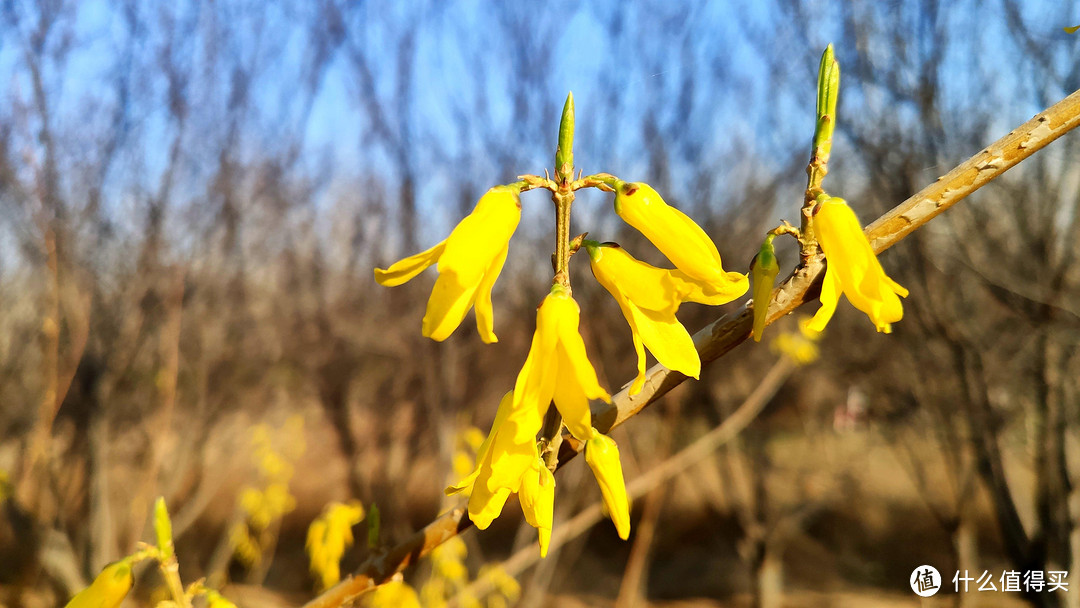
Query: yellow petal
(485, 505)
(108, 590)
(654, 325)
(647, 286)
(535, 384)
(450, 300)
(513, 451)
(731, 286)
(483, 454)
(485, 315)
(830, 297)
(666, 339)
(404, 270)
(639, 350)
(538, 502)
(571, 401)
(573, 347)
(603, 457)
(671, 231)
(857, 269)
(482, 235)
(514, 448)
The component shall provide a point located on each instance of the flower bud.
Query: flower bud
(764, 270)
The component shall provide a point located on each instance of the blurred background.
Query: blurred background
(193, 195)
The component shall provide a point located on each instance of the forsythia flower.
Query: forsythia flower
(557, 367)
(395, 594)
(799, 347)
(469, 261)
(603, 457)
(649, 297)
(108, 590)
(678, 238)
(328, 537)
(509, 462)
(216, 600)
(852, 269)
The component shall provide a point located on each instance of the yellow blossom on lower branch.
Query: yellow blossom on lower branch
(853, 269)
(556, 369)
(508, 462)
(328, 537)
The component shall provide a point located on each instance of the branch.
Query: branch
(727, 332)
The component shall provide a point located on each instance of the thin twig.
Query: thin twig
(729, 331)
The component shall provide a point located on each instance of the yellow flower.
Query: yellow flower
(537, 497)
(469, 261)
(108, 590)
(678, 237)
(800, 347)
(603, 457)
(216, 600)
(508, 462)
(328, 537)
(649, 297)
(852, 269)
(557, 367)
(395, 594)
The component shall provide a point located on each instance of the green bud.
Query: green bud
(827, 92)
(163, 529)
(764, 270)
(373, 526)
(564, 154)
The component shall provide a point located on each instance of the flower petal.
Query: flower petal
(485, 315)
(571, 401)
(603, 457)
(646, 285)
(671, 231)
(483, 454)
(482, 235)
(731, 286)
(830, 297)
(404, 270)
(450, 300)
(537, 499)
(667, 340)
(574, 349)
(857, 268)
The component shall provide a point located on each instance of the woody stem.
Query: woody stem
(563, 194)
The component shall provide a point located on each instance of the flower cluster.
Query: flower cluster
(329, 535)
(512, 460)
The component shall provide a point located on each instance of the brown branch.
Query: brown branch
(729, 331)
